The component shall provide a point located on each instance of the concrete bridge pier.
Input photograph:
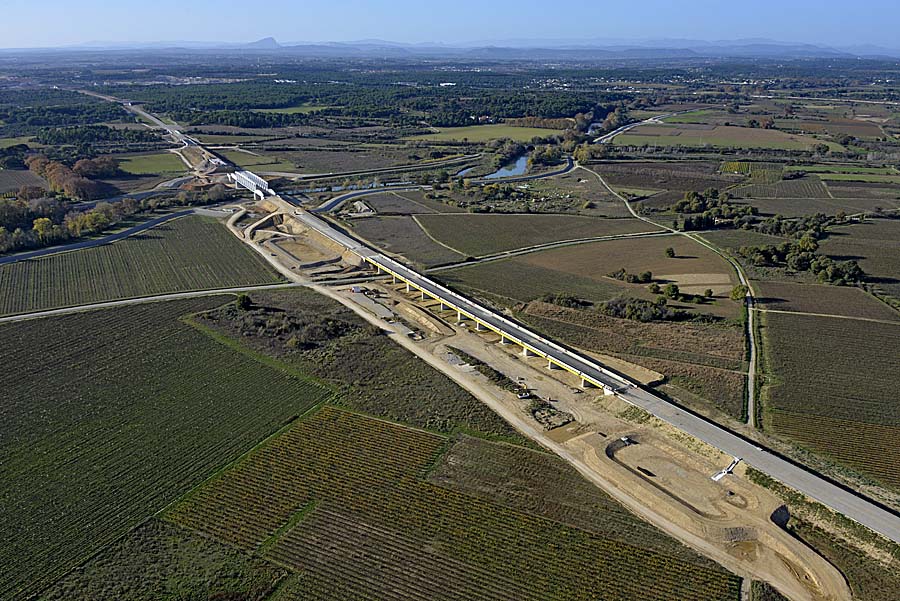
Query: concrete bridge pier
(587, 384)
(552, 365)
(444, 307)
(408, 288)
(479, 327)
(460, 317)
(503, 340)
(527, 352)
(423, 295)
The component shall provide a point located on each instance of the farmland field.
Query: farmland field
(11, 180)
(341, 499)
(805, 187)
(721, 136)
(888, 194)
(7, 142)
(163, 561)
(484, 234)
(798, 207)
(392, 203)
(190, 253)
(486, 133)
(680, 176)
(840, 400)
(582, 270)
(111, 415)
(152, 164)
(703, 362)
(875, 244)
(398, 386)
(813, 298)
(258, 162)
(402, 235)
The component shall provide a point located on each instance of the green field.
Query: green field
(833, 390)
(486, 133)
(111, 415)
(342, 500)
(860, 177)
(845, 169)
(7, 142)
(152, 164)
(484, 234)
(159, 560)
(718, 136)
(191, 253)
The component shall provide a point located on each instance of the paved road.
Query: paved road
(337, 201)
(95, 242)
(845, 502)
(750, 299)
(607, 138)
(143, 299)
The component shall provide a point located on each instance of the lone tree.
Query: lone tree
(708, 293)
(670, 252)
(671, 291)
(243, 302)
(739, 292)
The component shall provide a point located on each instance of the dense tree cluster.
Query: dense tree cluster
(13, 157)
(63, 179)
(444, 107)
(800, 255)
(710, 209)
(26, 224)
(33, 220)
(637, 309)
(91, 137)
(546, 155)
(622, 275)
(18, 119)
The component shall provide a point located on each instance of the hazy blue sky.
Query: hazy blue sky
(29, 23)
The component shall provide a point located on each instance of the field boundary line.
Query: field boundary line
(415, 202)
(828, 315)
(161, 514)
(137, 300)
(509, 254)
(435, 240)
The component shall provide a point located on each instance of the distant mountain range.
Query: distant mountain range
(524, 49)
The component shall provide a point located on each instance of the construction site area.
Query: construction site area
(683, 486)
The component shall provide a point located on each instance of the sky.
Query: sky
(44, 23)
